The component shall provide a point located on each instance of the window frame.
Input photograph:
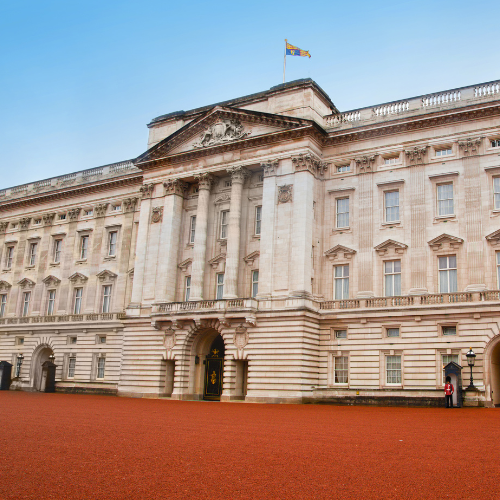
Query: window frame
(77, 300)
(338, 335)
(345, 368)
(51, 302)
(339, 214)
(106, 298)
(9, 256)
(84, 247)
(497, 257)
(343, 277)
(99, 358)
(254, 290)
(496, 194)
(112, 247)
(57, 250)
(387, 369)
(3, 304)
(71, 357)
(224, 224)
(438, 153)
(393, 274)
(447, 271)
(192, 229)
(342, 169)
(187, 288)
(25, 304)
(219, 287)
(258, 220)
(438, 200)
(386, 208)
(32, 253)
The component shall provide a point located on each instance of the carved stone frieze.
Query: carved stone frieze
(285, 193)
(416, 155)
(147, 190)
(3, 227)
(270, 168)
(239, 174)
(129, 204)
(470, 146)
(223, 198)
(365, 164)
(175, 186)
(156, 215)
(73, 214)
(51, 281)
(24, 223)
(223, 130)
(100, 210)
(48, 219)
(309, 162)
(205, 181)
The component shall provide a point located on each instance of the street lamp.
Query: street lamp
(19, 363)
(471, 359)
(52, 358)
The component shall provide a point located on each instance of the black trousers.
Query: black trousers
(449, 401)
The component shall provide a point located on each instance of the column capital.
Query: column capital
(205, 181)
(416, 155)
(175, 186)
(147, 190)
(238, 174)
(270, 167)
(309, 162)
(365, 164)
(470, 146)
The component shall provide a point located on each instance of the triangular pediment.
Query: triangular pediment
(221, 126)
(51, 280)
(4, 285)
(217, 260)
(78, 278)
(494, 237)
(185, 264)
(26, 283)
(443, 239)
(251, 257)
(340, 251)
(387, 245)
(106, 275)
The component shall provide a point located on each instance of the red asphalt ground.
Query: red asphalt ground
(62, 446)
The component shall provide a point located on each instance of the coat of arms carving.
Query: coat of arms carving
(220, 132)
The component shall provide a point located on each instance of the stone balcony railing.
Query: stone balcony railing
(204, 306)
(412, 300)
(63, 319)
(455, 98)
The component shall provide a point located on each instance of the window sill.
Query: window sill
(54, 264)
(445, 218)
(340, 230)
(7, 269)
(390, 224)
(190, 245)
(29, 267)
(110, 257)
(256, 237)
(80, 261)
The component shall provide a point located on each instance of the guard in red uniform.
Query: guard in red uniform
(448, 392)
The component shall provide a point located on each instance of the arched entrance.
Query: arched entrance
(494, 366)
(41, 354)
(214, 370)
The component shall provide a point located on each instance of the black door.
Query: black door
(214, 370)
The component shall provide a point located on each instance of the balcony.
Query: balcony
(224, 305)
(67, 318)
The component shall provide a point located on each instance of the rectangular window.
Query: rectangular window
(392, 278)
(342, 212)
(192, 229)
(343, 168)
(32, 255)
(19, 362)
(258, 219)
(71, 366)
(77, 306)
(340, 334)
(496, 192)
(224, 215)
(220, 286)
(51, 302)
(391, 161)
(188, 288)
(116, 208)
(448, 358)
(112, 238)
(498, 270)
(26, 303)
(88, 212)
(62, 216)
(393, 332)
(341, 282)
(445, 199)
(449, 330)
(101, 365)
(84, 246)
(57, 251)
(72, 340)
(447, 274)
(102, 339)
(3, 304)
(393, 369)
(341, 369)
(495, 143)
(106, 298)
(391, 200)
(255, 283)
(9, 257)
(444, 152)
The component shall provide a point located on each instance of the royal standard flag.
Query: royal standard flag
(291, 50)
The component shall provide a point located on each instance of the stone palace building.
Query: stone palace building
(268, 248)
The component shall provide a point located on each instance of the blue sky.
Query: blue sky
(81, 79)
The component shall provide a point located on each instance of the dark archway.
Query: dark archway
(214, 370)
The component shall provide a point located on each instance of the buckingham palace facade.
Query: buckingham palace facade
(269, 248)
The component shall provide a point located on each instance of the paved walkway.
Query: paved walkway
(98, 447)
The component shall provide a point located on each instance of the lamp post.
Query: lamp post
(52, 358)
(20, 358)
(471, 359)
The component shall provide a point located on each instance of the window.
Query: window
(19, 362)
(32, 254)
(220, 286)
(341, 369)
(495, 143)
(71, 366)
(72, 340)
(84, 245)
(37, 222)
(498, 270)
(444, 152)
(88, 212)
(342, 212)
(340, 334)
(26, 303)
(391, 161)
(13, 225)
(391, 200)
(393, 369)
(258, 219)
(228, 183)
(341, 282)
(101, 339)
(496, 192)
(106, 298)
(449, 330)
(392, 278)
(77, 305)
(447, 274)
(116, 208)
(255, 283)
(20, 340)
(3, 304)
(393, 332)
(62, 216)
(448, 358)
(57, 251)
(188, 288)
(445, 199)
(101, 365)
(344, 168)
(51, 302)
(192, 229)
(9, 258)
(112, 238)
(223, 224)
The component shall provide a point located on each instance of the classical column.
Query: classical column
(205, 182)
(238, 176)
(169, 240)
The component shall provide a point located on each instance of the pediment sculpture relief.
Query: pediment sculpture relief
(222, 131)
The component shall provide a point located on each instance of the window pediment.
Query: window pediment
(339, 251)
(26, 283)
(249, 259)
(107, 275)
(388, 245)
(183, 266)
(445, 239)
(4, 286)
(217, 260)
(494, 237)
(78, 278)
(51, 280)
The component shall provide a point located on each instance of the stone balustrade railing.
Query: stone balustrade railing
(62, 319)
(75, 178)
(204, 305)
(416, 105)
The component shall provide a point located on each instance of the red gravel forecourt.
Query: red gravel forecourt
(62, 446)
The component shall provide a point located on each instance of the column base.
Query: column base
(418, 291)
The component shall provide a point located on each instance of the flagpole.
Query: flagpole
(284, 63)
